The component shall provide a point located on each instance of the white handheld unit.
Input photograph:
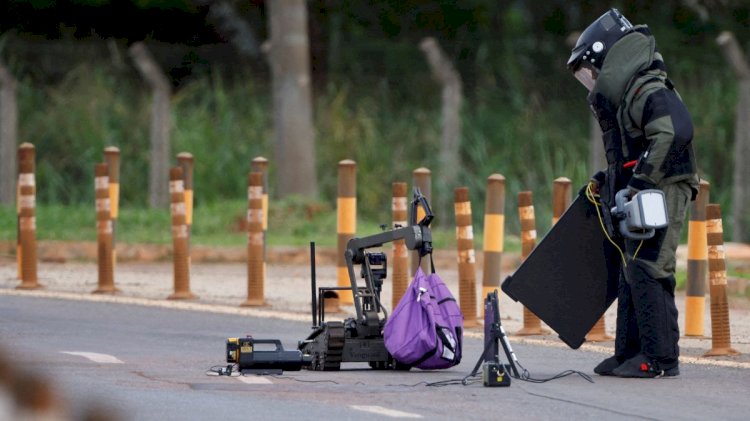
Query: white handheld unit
(646, 212)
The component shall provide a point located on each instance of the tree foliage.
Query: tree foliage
(375, 99)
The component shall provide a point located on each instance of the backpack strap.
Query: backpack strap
(432, 262)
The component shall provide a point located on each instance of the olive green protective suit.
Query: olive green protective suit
(654, 128)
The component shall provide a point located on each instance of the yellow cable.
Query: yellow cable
(637, 250)
(591, 197)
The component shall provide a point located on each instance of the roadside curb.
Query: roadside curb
(147, 302)
(298, 317)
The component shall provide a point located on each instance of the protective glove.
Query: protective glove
(599, 179)
(631, 192)
(596, 181)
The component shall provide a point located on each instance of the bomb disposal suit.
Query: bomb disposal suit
(647, 134)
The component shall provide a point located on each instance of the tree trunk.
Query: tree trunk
(158, 189)
(741, 190)
(292, 98)
(450, 139)
(8, 136)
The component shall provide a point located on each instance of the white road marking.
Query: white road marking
(252, 379)
(96, 357)
(385, 411)
(283, 315)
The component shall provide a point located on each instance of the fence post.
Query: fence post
(467, 283)
(532, 325)
(160, 121)
(104, 230)
(400, 253)
(256, 243)
(422, 178)
(721, 343)
(449, 156)
(8, 133)
(494, 233)
(179, 237)
(695, 290)
(734, 54)
(346, 226)
(112, 158)
(27, 215)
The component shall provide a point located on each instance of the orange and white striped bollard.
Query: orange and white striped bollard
(697, 264)
(112, 158)
(467, 283)
(27, 216)
(400, 253)
(256, 248)
(721, 340)
(260, 164)
(104, 232)
(346, 223)
(185, 162)
(180, 238)
(532, 325)
(494, 234)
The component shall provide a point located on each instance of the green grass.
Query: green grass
(292, 222)
(681, 279)
(732, 272)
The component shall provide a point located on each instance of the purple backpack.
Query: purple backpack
(426, 327)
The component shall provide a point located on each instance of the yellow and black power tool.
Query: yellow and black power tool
(263, 356)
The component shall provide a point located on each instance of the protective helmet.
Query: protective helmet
(594, 44)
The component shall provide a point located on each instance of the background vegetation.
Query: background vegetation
(375, 102)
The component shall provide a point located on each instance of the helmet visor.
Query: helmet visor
(586, 76)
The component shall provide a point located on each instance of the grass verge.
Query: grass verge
(292, 222)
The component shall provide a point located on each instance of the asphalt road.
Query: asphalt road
(146, 363)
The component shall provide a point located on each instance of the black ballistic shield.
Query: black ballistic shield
(570, 278)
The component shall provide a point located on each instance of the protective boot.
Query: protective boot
(606, 367)
(644, 367)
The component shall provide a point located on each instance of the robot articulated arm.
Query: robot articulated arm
(417, 235)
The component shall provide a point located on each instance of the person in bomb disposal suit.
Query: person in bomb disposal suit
(647, 135)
